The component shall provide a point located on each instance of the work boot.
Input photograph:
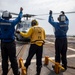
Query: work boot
(62, 70)
(38, 70)
(37, 74)
(26, 67)
(65, 68)
(53, 66)
(4, 74)
(17, 73)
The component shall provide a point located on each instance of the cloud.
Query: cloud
(36, 6)
(41, 7)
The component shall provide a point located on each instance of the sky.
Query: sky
(39, 7)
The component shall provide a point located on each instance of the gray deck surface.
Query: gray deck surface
(49, 50)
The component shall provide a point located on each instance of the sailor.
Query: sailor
(37, 36)
(8, 45)
(61, 28)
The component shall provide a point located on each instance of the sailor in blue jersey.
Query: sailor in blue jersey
(61, 29)
(8, 46)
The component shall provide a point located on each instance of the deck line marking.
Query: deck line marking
(53, 44)
(43, 59)
(71, 49)
(69, 56)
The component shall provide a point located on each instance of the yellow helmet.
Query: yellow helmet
(34, 22)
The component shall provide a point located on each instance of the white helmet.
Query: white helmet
(62, 17)
(6, 15)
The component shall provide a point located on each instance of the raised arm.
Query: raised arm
(67, 20)
(51, 20)
(19, 17)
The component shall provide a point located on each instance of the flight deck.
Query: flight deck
(22, 49)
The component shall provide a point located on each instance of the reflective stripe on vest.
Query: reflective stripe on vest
(5, 23)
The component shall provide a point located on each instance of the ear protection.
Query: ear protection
(6, 15)
(61, 18)
(34, 22)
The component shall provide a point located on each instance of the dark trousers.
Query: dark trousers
(34, 49)
(61, 51)
(8, 50)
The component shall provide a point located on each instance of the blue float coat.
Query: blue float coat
(7, 28)
(61, 28)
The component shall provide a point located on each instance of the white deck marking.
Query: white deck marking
(43, 59)
(71, 49)
(53, 44)
(47, 42)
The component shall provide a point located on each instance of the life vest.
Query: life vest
(38, 35)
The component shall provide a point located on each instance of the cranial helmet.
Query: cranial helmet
(34, 22)
(6, 15)
(62, 17)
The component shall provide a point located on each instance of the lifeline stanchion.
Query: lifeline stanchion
(23, 68)
(57, 65)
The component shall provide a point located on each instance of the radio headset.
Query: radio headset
(62, 17)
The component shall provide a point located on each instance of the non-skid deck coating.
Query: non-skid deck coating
(48, 50)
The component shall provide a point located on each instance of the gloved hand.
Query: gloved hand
(62, 12)
(21, 9)
(18, 32)
(50, 13)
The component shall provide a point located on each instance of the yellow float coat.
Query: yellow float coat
(36, 34)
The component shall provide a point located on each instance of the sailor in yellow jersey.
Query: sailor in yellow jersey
(37, 35)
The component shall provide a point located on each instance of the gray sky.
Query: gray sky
(42, 7)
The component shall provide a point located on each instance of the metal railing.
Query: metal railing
(23, 68)
(57, 66)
